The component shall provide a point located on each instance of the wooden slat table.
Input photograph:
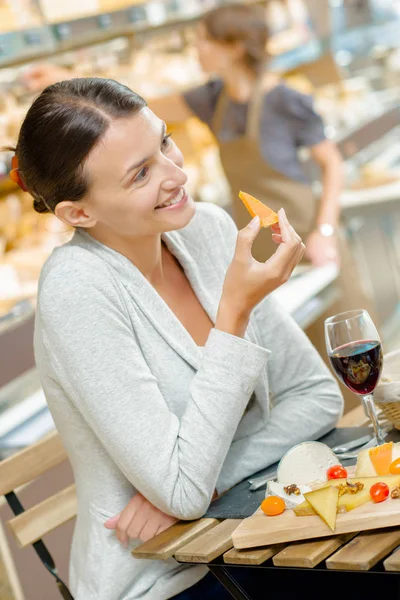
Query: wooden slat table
(208, 541)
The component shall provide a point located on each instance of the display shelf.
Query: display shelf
(22, 46)
(74, 34)
(141, 19)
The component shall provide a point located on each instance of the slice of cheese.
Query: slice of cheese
(257, 209)
(365, 466)
(324, 501)
(291, 500)
(381, 457)
(351, 501)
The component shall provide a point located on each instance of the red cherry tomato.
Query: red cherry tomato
(336, 472)
(394, 468)
(379, 492)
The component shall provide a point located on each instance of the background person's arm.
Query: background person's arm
(319, 248)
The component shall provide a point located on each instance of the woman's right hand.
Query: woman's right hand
(248, 281)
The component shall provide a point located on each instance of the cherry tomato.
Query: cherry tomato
(336, 472)
(379, 492)
(273, 505)
(394, 468)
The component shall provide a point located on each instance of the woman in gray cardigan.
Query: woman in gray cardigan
(170, 371)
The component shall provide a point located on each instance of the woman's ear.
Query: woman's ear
(74, 214)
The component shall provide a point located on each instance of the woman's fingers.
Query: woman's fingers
(112, 523)
(287, 231)
(275, 228)
(127, 516)
(289, 252)
(245, 239)
(153, 527)
(149, 530)
(141, 518)
(277, 238)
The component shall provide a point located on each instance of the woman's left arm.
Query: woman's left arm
(321, 244)
(306, 401)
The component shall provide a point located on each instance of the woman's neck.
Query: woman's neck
(239, 83)
(146, 253)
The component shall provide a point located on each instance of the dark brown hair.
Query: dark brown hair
(61, 127)
(245, 24)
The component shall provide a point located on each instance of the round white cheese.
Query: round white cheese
(306, 463)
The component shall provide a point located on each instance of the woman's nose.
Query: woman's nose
(175, 176)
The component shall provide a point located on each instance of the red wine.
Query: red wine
(358, 365)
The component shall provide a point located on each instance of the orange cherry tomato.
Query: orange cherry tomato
(379, 492)
(394, 468)
(273, 505)
(336, 472)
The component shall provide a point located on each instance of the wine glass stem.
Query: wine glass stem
(369, 407)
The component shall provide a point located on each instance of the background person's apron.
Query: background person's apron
(246, 169)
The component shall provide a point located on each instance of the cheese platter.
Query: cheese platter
(315, 496)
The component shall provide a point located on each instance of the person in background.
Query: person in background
(169, 368)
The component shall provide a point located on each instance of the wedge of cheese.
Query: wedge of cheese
(380, 457)
(324, 501)
(257, 209)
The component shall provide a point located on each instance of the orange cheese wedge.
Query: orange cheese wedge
(257, 209)
(381, 458)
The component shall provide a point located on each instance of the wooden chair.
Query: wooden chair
(29, 526)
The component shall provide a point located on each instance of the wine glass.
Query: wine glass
(355, 352)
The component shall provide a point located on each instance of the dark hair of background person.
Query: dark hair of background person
(61, 127)
(244, 24)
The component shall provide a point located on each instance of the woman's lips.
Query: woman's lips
(179, 204)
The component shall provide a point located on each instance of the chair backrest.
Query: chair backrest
(29, 526)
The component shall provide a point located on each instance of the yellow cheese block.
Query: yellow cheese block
(350, 501)
(324, 501)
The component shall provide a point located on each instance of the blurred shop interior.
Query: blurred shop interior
(345, 53)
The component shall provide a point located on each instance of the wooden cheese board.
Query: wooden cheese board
(261, 530)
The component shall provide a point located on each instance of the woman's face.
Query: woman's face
(215, 57)
(136, 181)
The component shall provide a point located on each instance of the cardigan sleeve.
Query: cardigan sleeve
(305, 398)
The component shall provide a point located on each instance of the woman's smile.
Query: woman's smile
(174, 202)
